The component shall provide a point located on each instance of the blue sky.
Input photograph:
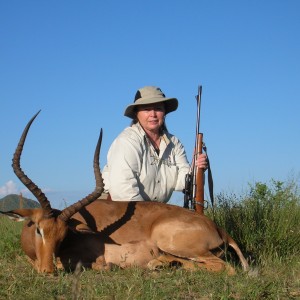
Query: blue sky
(81, 63)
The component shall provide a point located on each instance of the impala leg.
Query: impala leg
(167, 259)
(100, 264)
(58, 264)
(219, 253)
(214, 264)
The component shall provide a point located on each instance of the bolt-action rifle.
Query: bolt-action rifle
(194, 181)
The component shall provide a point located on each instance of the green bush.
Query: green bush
(265, 222)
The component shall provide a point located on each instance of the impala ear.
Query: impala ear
(76, 225)
(83, 228)
(18, 215)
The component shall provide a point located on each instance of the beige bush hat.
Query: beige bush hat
(149, 95)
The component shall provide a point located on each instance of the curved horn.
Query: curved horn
(32, 187)
(68, 212)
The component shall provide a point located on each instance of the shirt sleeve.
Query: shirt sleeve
(123, 168)
(182, 165)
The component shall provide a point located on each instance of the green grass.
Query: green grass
(265, 223)
(10, 238)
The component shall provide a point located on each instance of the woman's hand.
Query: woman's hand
(201, 161)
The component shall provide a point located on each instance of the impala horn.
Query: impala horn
(68, 212)
(32, 187)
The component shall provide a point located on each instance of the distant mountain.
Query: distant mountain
(13, 201)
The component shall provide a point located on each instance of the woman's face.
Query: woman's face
(151, 116)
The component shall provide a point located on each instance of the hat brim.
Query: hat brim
(171, 104)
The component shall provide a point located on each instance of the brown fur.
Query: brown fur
(146, 234)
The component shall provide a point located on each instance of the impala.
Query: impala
(102, 233)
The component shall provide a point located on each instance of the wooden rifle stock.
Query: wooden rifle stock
(199, 179)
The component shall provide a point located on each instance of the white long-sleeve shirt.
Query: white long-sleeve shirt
(135, 172)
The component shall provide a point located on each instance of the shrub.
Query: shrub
(265, 222)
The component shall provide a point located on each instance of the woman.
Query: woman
(145, 162)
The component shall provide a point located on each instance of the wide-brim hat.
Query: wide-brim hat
(150, 95)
